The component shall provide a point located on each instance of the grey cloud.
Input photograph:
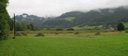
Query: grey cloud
(57, 7)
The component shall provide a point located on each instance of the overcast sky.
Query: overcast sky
(57, 7)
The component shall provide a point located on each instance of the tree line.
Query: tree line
(24, 27)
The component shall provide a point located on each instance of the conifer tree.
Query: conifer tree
(4, 19)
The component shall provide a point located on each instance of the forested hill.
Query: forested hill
(36, 20)
(105, 17)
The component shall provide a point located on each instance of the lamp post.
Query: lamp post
(14, 28)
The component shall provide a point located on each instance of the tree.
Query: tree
(23, 26)
(29, 27)
(32, 27)
(120, 27)
(4, 29)
(18, 27)
(11, 24)
(4, 19)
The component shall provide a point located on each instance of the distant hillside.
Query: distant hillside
(106, 17)
(36, 20)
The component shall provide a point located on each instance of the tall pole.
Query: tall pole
(14, 28)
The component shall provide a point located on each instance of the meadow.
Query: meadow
(106, 44)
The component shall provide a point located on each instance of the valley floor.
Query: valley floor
(111, 45)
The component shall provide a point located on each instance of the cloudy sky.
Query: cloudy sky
(57, 7)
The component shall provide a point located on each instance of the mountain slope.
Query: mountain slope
(105, 17)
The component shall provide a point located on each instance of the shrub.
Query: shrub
(70, 29)
(18, 34)
(56, 33)
(24, 34)
(98, 33)
(59, 29)
(76, 33)
(40, 34)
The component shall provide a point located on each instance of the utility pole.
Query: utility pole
(14, 28)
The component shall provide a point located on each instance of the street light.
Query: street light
(14, 28)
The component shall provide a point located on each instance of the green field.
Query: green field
(89, 27)
(111, 45)
(69, 18)
(126, 25)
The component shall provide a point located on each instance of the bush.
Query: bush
(76, 33)
(39, 34)
(56, 33)
(18, 34)
(59, 29)
(24, 34)
(98, 33)
(70, 29)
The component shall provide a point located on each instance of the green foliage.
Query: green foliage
(40, 34)
(23, 27)
(32, 27)
(120, 27)
(97, 33)
(11, 24)
(4, 29)
(4, 19)
(29, 27)
(18, 27)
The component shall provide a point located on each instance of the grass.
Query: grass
(88, 27)
(69, 18)
(126, 25)
(111, 45)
